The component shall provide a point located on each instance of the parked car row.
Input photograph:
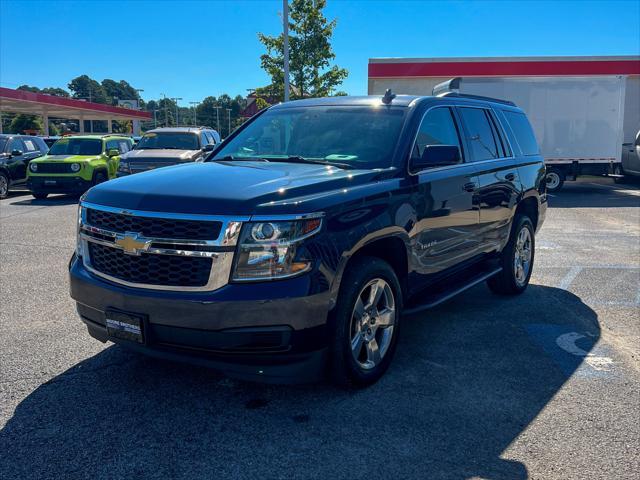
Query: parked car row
(72, 164)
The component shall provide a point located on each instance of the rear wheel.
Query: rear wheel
(366, 323)
(4, 185)
(516, 259)
(555, 180)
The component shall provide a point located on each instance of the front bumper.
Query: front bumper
(58, 184)
(271, 331)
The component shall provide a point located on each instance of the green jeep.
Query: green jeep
(76, 163)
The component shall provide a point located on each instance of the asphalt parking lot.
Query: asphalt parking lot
(545, 385)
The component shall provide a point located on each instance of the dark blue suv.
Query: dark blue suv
(294, 249)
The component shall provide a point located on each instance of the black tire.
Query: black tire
(506, 282)
(344, 369)
(4, 185)
(39, 196)
(100, 177)
(555, 179)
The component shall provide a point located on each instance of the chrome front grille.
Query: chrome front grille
(154, 250)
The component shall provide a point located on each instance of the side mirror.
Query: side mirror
(113, 152)
(208, 147)
(436, 156)
(16, 153)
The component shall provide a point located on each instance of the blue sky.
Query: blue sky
(197, 48)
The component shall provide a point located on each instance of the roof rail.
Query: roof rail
(451, 88)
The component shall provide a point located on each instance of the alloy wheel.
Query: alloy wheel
(553, 180)
(522, 256)
(372, 323)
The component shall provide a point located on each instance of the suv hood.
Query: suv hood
(228, 188)
(160, 154)
(68, 158)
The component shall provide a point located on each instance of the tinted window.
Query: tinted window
(77, 146)
(480, 134)
(3, 143)
(204, 140)
(365, 137)
(176, 141)
(523, 132)
(16, 144)
(211, 138)
(437, 128)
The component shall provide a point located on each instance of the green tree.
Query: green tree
(22, 123)
(121, 90)
(87, 88)
(310, 54)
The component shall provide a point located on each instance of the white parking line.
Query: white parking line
(569, 277)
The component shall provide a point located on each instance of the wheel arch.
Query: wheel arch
(390, 244)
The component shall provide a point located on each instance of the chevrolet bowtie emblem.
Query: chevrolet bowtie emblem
(132, 243)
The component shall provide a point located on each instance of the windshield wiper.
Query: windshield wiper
(231, 158)
(299, 159)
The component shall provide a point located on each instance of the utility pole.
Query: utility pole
(229, 113)
(195, 115)
(166, 111)
(285, 27)
(175, 99)
(218, 120)
(155, 120)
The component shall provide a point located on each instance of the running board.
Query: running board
(440, 297)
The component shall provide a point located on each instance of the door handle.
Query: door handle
(469, 187)
(510, 177)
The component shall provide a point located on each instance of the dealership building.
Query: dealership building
(49, 106)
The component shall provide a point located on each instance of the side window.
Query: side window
(500, 136)
(438, 127)
(204, 140)
(523, 132)
(211, 138)
(481, 133)
(16, 144)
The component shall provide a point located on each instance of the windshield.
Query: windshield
(76, 146)
(178, 141)
(361, 137)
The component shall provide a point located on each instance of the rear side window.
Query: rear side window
(481, 135)
(437, 128)
(16, 144)
(523, 132)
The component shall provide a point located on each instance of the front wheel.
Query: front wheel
(99, 177)
(516, 259)
(366, 323)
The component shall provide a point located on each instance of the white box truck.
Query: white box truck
(583, 109)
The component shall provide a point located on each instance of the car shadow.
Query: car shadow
(599, 193)
(467, 380)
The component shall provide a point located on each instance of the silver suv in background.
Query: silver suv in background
(162, 147)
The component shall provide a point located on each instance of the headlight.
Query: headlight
(75, 167)
(269, 250)
(33, 167)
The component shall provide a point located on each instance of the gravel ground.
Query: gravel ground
(542, 386)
